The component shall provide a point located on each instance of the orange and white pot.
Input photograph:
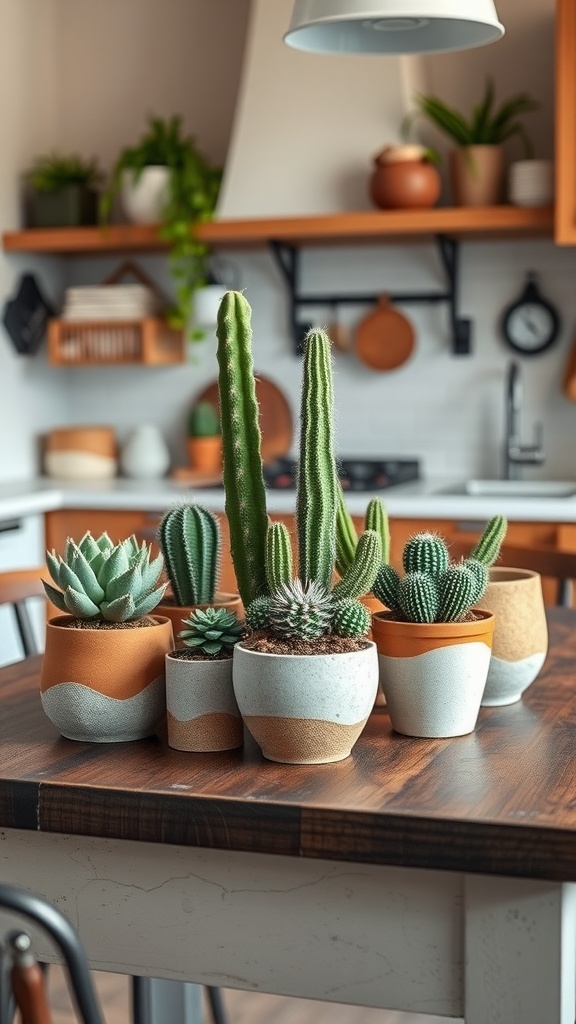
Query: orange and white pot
(178, 612)
(434, 673)
(201, 707)
(305, 709)
(105, 685)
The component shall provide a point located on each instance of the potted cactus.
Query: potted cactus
(376, 518)
(305, 676)
(202, 711)
(434, 647)
(190, 541)
(102, 675)
(204, 444)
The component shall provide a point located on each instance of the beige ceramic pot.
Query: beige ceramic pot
(521, 634)
(477, 175)
(105, 685)
(176, 613)
(201, 707)
(433, 674)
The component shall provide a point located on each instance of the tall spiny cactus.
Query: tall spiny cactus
(376, 519)
(189, 537)
(278, 555)
(241, 439)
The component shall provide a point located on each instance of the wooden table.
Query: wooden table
(432, 876)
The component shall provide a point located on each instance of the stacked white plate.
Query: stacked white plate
(110, 302)
(531, 183)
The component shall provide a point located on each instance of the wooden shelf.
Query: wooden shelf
(343, 228)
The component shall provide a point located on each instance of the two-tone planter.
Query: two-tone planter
(202, 711)
(105, 685)
(434, 674)
(305, 709)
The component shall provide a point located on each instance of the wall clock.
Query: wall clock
(531, 324)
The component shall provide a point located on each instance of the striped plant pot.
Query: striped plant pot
(105, 685)
(305, 709)
(521, 634)
(433, 674)
(202, 711)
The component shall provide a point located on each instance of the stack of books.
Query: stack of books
(110, 302)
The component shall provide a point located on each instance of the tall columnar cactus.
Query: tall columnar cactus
(102, 581)
(376, 518)
(189, 537)
(241, 441)
(278, 555)
(316, 499)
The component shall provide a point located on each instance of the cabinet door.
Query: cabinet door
(565, 123)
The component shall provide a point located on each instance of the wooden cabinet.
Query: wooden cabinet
(565, 123)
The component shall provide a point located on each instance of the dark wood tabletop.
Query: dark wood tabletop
(500, 801)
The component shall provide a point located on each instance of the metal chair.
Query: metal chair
(16, 588)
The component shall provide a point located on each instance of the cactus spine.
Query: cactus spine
(242, 462)
(316, 495)
(488, 547)
(189, 537)
(278, 555)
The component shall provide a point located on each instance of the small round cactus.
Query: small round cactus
(351, 619)
(258, 613)
(301, 612)
(211, 631)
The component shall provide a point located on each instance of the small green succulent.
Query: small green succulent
(211, 631)
(102, 581)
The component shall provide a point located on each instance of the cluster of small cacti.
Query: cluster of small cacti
(189, 537)
(433, 589)
(211, 631)
(103, 581)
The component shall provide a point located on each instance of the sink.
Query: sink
(516, 488)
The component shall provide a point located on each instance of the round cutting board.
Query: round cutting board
(275, 416)
(384, 338)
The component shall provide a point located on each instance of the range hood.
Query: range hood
(306, 126)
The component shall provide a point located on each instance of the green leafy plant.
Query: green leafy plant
(305, 607)
(211, 631)
(189, 538)
(101, 581)
(193, 191)
(203, 420)
(53, 172)
(434, 589)
(487, 124)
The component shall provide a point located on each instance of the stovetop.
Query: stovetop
(356, 474)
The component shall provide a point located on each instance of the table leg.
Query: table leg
(156, 1001)
(520, 951)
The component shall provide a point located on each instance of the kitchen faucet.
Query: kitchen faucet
(515, 453)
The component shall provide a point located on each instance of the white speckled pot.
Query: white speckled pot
(305, 709)
(521, 634)
(202, 710)
(434, 673)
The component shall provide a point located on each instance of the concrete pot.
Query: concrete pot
(433, 674)
(520, 637)
(305, 709)
(105, 685)
(202, 711)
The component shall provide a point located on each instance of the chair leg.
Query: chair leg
(23, 621)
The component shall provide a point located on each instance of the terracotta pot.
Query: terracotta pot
(105, 685)
(305, 709)
(405, 185)
(433, 674)
(175, 612)
(201, 707)
(477, 175)
(521, 634)
(205, 454)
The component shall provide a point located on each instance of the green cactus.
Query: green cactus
(258, 613)
(386, 587)
(481, 574)
(456, 590)
(376, 519)
(189, 537)
(278, 555)
(203, 420)
(102, 581)
(488, 547)
(241, 439)
(211, 631)
(418, 597)
(301, 612)
(351, 619)
(425, 552)
(359, 577)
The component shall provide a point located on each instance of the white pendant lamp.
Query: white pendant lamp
(392, 26)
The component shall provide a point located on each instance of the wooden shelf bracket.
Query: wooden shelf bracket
(287, 258)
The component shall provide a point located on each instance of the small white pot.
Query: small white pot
(531, 183)
(206, 304)
(202, 711)
(144, 200)
(145, 454)
(305, 709)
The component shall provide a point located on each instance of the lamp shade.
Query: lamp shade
(392, 26)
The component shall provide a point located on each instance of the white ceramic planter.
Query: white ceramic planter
(143, 201)
(305, 709)
(145, 454)
(202, 711)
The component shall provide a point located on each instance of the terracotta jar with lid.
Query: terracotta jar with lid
(403, 179)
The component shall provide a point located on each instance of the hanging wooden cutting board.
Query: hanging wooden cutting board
(275, 416)
(384, 337)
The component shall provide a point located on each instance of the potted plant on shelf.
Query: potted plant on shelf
(102, 676)
(477, 170)
(204, 443)
(165, 178)
(434, 647)
(201, 707)
(305, 677)
(190, 541)
(405, 178)
(62, 191)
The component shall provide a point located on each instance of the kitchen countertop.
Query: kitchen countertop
(419, 499)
